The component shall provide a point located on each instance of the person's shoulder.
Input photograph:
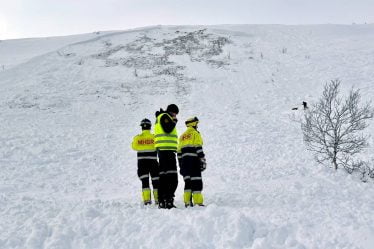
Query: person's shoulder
(159, 113)
(197, 134)
(190, 133)
(165, 115)
(194, 131)
(147, 133)
(185, 132)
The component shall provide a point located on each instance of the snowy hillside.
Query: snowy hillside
(14, 52)
(69, 107)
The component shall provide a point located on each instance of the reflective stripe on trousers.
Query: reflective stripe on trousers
(168, 172)
(147, 157)
(144, 176)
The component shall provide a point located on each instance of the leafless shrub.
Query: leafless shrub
(333, 127)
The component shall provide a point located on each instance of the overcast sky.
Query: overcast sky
(34, 18)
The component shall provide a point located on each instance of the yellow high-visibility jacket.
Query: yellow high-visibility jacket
(164, 140)
(144, 144)
(190, 144)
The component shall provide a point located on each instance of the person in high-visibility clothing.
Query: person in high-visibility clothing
(166, 143)
(192, 162)
(144, 144)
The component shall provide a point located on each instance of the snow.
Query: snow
(14, 52)
(71, 105)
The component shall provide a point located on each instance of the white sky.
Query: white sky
(34, 18)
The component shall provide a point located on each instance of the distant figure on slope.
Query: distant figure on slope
(305, 106)
(144, 144)
(166, 143)
(192, 163)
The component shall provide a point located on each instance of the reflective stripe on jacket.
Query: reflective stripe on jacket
(190, 144)
(164, 140)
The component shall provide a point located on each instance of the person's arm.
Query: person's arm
(199, 150)
(133, 144)
(198, 141)
(167, 123)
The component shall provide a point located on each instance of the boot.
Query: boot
(170, 203)
(198, 198)
(146, 195)
(161, 204)
(155, 196)
(187, 198)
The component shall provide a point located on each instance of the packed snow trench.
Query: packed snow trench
(70, 106)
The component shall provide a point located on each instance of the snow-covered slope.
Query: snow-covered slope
(14, 52)
(68, 114)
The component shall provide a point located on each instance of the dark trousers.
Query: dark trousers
(168, 174)
(148, 167)
(191, 172)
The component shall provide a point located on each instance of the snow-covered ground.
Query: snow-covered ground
(14, 52)
(69, 107)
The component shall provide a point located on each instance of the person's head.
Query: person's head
(172, 109)
(192, 122)
(146, 124)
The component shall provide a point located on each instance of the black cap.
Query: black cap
(172, 108)
(146, 124)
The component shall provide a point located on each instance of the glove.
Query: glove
(202, 164)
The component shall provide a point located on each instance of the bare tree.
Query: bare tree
(333, 127)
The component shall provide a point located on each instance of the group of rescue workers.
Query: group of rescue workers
(157, 157)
